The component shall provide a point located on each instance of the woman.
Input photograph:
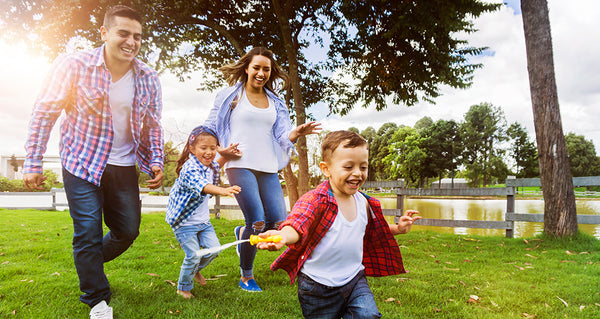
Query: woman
(250, 113)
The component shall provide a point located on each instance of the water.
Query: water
(470, 209)
(487, 209)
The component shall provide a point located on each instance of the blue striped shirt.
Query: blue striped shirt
(187, 192)
(78, 84)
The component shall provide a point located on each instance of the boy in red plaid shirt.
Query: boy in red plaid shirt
(337, 235)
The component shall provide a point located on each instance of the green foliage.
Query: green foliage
(523, 151)
(482, 130)
(17, 185)
(509, 277)
(582, 156)
(378, 150)
(400, 49)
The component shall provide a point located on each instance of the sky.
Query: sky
(502, 81)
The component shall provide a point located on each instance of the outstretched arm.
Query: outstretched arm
(288, 235)
(405, 223)
(223, 191)
(311, 127)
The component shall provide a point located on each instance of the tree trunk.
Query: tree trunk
(291, 185)
(560, 215)
(293, 72)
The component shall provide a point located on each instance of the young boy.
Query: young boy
(336, 236)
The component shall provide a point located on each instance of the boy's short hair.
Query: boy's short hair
(334, 139)
(120, 11)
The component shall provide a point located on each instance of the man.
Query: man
(112, 107)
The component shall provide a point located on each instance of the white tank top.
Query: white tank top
(337, 258)
(252, 127)
(120, 99)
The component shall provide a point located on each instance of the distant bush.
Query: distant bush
(17, 185)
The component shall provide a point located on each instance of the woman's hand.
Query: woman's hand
(311, 127)
(230, 152)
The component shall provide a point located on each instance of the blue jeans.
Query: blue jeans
(262, 202)
(117, 199)
(353, 300)
(191, 238)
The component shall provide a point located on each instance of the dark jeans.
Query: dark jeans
(118, 201)
(262, 202)
(353, 300)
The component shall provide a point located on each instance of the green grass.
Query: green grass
(511, 278)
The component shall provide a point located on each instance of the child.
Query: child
(187, 209)
(337, 235)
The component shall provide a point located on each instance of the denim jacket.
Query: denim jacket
(218, 121)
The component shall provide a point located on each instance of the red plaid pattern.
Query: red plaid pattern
(312, 216)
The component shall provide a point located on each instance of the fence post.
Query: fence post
(400, 206)
(510, 209)
(53, 190)
(218, 206)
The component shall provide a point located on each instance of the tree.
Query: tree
(523, 151)
(398, 49)
(481, 132)
(406, 157)
(582, 155)
(379, 150)
(423, 123)
(443, 147)
(560, 214)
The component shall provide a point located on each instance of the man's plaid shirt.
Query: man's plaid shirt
(312, 216)
(78, 84)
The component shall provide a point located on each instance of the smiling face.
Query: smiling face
(122, 38)
(205, 149)
(347, 169)
(259, 71)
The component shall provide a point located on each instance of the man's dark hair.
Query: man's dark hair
(120, 11)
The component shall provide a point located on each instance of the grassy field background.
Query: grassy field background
(450, 276)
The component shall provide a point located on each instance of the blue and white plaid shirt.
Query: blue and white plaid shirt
(186, 194)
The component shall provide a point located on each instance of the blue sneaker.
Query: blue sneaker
(250, 286)
(238, 236)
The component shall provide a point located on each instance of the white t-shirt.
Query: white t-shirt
(201, 214)
(120, 99)
(252, 127)
(337, 258)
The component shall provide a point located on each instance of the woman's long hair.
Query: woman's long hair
(236, 72)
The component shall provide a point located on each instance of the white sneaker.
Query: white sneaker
(101, 311)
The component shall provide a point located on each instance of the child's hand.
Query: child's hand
(230, 151)
(232, 190)
(270, 245)
(406, 221)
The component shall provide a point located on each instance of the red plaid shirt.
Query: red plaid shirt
(312, 216)
(78, 84)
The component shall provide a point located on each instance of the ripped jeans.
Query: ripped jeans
(262, 202)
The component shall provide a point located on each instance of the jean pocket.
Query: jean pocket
(306, 285)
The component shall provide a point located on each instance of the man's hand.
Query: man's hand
(34, 181)
(158, 177)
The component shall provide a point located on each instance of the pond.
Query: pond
(488, 209)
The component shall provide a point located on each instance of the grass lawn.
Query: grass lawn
(450, 276)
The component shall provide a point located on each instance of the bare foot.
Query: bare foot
(185, 294)
(200, 279)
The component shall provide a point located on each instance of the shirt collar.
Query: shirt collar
(98, 61)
